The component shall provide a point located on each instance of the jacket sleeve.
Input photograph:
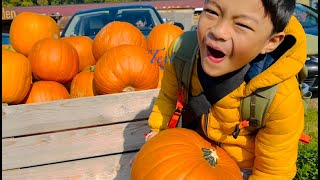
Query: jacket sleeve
(276, 145)
(165, 103)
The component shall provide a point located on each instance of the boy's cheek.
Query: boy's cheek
(203, 28)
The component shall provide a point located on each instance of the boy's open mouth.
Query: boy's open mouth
(215, 53)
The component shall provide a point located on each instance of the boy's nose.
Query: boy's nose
(220, 31)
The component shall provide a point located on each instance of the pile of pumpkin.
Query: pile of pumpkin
(40, 66)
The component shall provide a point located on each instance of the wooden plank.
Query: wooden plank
(71, 145)
(115, 167)
(74, 113)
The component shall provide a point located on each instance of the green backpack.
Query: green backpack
(252, 108)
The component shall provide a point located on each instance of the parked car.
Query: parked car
(308, 17)
(89, 22)
(5, 38)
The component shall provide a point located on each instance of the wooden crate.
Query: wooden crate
(83, 138)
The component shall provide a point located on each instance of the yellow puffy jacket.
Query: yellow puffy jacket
(272, 152)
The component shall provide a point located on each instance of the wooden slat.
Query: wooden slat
(74, 144)
(115, 167)
(74, 113)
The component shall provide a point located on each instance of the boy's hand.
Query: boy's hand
(150, 135)
(147, 138)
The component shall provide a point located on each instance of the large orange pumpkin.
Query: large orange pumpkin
(83, 46)
(82, 84)
(180, 153)
(16, 77)
(27, 28)
(125, 68)
(159, 40)
(54, 60)
(117, 33)
(44, 91)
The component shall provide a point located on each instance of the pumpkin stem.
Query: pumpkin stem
(92, 68)
(211, 156)
(128, 89)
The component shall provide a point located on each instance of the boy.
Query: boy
(234, 36)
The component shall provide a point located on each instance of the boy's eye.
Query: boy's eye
(210, 12)
(244, 26)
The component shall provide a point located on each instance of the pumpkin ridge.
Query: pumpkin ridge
(145, 78)
(124, 75)
(168, 158)
(169, 144)
(173, 169)
(226, 171)
(191, 169)
(118, 75)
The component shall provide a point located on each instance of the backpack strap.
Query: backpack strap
(254, 107)
(184, 53)
(185, 50)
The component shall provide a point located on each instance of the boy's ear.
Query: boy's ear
(273, 42)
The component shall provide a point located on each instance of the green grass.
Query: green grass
(307, 163)
(311, 124)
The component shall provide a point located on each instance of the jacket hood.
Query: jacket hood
(290, 56)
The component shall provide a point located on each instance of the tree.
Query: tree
(93, 1)
(14, 2)
(55, 2)
(26, 3)
(42, 2)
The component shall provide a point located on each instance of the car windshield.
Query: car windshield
(308, 19)
(89, 24)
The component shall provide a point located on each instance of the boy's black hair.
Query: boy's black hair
(280, 12)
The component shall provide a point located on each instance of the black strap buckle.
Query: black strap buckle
(236, 131)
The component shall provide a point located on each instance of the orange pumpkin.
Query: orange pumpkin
(125, 68)
(114, 34)
(54, 60)
(44, 91)
(180, 153)
(82, 84)
(159, 40)
(16, 77)
(83, 46)
(27, 28)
